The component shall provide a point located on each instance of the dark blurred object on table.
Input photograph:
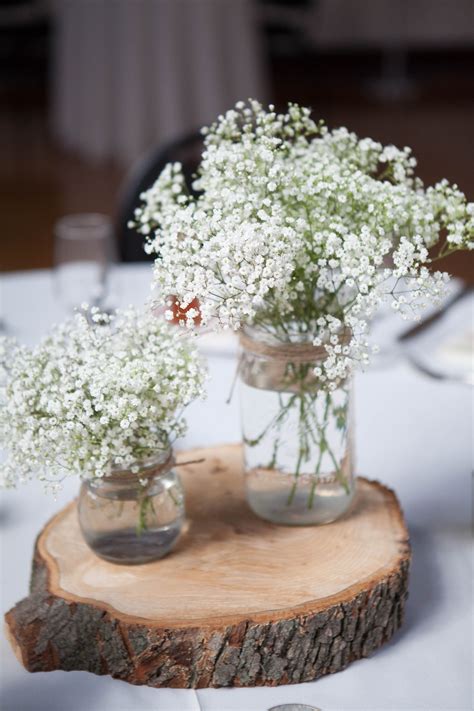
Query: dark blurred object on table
(143, 174)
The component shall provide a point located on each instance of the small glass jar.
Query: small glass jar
(297, 435)
(133, 518)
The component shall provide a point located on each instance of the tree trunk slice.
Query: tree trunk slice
(240, 602)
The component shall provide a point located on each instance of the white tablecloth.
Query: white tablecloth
(413, 433)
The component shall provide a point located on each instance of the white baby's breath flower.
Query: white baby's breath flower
(292, 226)
(91, 396)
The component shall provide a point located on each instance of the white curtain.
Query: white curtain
(128, 74)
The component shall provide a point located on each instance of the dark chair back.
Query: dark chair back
(186, 151)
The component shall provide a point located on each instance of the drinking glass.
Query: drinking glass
(83, 252)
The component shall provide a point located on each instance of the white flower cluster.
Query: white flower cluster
(98, 392)
(298, 227)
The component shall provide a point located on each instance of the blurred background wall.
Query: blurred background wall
(87, 87)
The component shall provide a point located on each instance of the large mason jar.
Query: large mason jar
(297, 435)
(136, 515)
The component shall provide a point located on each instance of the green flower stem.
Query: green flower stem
(325, 444)
(304, 449)
(312, 432)
(145, 508)
(274, 422)
(316, 474)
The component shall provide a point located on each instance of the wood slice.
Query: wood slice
(240, 602)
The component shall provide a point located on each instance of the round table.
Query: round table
(412, 433)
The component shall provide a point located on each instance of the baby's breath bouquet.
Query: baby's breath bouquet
(301, 233)
(102, 397)
(293, 226)
(99, 393)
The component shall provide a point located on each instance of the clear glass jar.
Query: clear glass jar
(298, 443)
(133, 518)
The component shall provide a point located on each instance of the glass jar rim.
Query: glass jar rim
(149, 468)
(264, 343)
(84, 226)
(260, 334)
(155, 459)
